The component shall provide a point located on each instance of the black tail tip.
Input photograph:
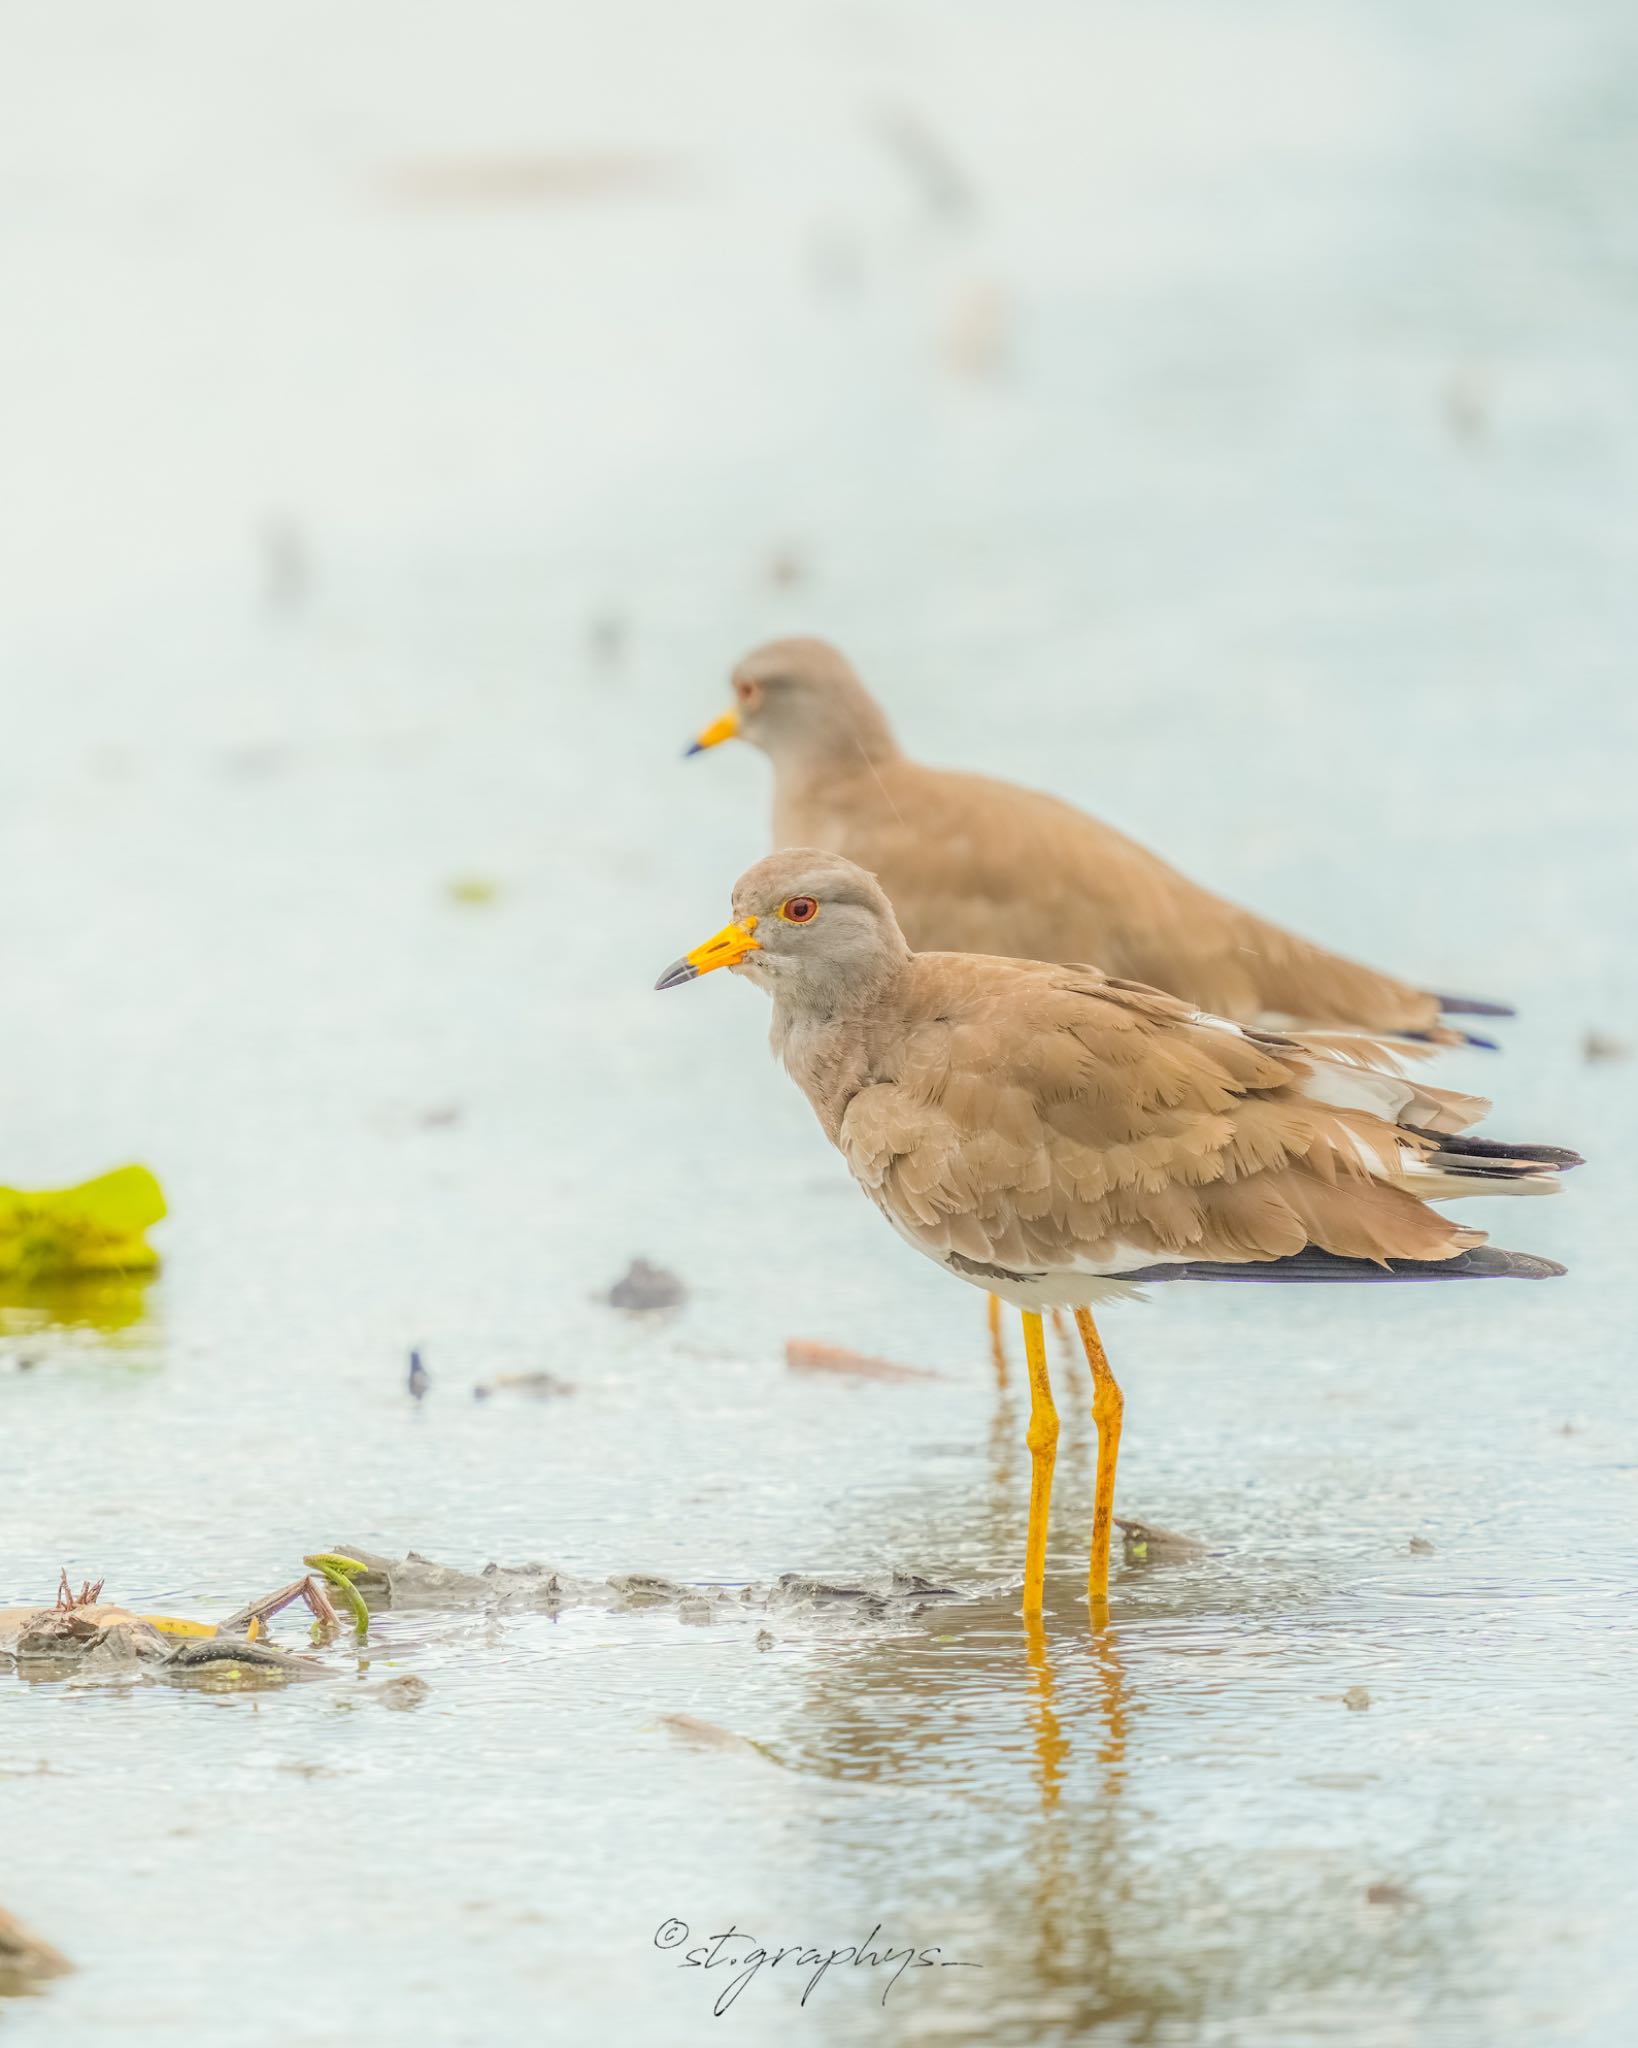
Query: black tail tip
(1473, 1006)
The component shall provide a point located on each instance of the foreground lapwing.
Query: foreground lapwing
(1059, 1136)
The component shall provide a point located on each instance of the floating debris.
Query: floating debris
(1147, 1543)
(402, 1695)
(643, 1288)
(418, 1379)
(25, 1960)
(473, 891)
(236, 1663)
(698, 1734)
(441, 1116)
(1386, 1893)
(81, 1633)
(252, 1621)
(341, 1572)
(1419, 1546)
(804, 1354)
(414, 1582)
(648, 1589)
(786, 568)
(1356, 1699)
(534, 1386)
(1598, 1047)
(905, 1593)
(48, 1642)
(99, 1226)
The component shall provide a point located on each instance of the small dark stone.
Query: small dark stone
(644, 1287)
(1385, 1894)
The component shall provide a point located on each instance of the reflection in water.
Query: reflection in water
(1050, 1745)
(1080, 1824)
(35, 1313)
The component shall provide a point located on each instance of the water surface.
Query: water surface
(1245, 448)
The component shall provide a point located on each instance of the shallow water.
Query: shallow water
(360, 541)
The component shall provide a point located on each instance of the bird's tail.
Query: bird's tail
(1444, 1035)
(1449, 1166)
(1473, 1006)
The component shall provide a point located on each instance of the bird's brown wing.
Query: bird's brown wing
(1039, 1118)
(974, 865)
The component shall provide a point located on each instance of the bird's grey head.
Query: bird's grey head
(801, 702)
(814, 930)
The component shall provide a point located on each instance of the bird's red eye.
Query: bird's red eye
(799, 910)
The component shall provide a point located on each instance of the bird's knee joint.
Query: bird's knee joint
(1042, 1435)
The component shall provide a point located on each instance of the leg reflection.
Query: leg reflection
(1075, 1839)
(1051, 1744)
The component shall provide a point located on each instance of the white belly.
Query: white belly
(1082, 1285)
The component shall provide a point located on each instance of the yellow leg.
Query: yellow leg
(998, 1350)
(1042, 1438)
(1107, 1405)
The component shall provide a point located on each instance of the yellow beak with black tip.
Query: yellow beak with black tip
(724, 728)
(727, 949)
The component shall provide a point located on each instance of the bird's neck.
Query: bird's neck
(851, 738)
(830, 1053)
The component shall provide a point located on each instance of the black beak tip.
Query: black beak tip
(693, 747)
(677, 973)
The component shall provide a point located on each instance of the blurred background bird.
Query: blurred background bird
(976, 865)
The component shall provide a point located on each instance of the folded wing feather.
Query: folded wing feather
(1043, 1118)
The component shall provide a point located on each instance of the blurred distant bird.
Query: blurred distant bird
(419, 1378)
(974, 865)
(1056, 1135)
